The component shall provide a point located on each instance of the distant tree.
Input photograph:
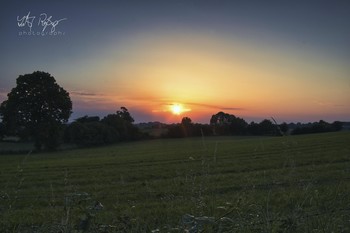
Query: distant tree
(253, 128)
(220, 118)
(284, 127)
(86, 119)
(220, 123)
(175, 131)
(278, 130)
(187, 127)
(238, 126)
(337, 126)
(266, 127)
(37, 106)
(92, 133)
(320, 127)
(186, 121)
(74, 132)
(317, 127)
(124, 114)
(202, 130)
(2, 130)
(121, 122)
(227, 124)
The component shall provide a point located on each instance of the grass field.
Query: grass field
(215, 184)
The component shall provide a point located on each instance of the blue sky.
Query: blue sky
(288, 59)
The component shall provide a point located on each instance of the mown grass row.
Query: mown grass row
(217, 184)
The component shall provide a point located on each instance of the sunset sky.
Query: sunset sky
(255, 59)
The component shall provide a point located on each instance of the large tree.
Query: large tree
(36, 107)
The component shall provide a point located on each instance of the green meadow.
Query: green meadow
(209, 184)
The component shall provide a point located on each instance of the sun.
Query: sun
(176, 109)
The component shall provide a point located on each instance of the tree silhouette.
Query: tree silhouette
(122, 121)
(89, 131)
(284, 127)
(266, 127)
(37, 107)
(2, 130)
(124, 114)
(227, 124)
(186, 121)
(187, 127)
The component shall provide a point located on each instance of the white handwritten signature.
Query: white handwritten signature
(44, 21)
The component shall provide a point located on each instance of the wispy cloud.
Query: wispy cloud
(83, 93)
(165, 106)
(218, 107)
(85, 99)
(328, 104)
(97, 101)
(97, 95)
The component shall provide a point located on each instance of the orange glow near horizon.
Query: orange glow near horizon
(200, 75)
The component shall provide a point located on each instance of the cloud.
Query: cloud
(165, 106)
(83, 93)
(101, 101)
(328, 104)
(86, 96)
(232, 109)
(216, 107)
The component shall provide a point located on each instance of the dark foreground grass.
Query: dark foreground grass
(228, 184)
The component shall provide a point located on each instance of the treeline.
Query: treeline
(118, 127)
(227, 124)
(92, 131)
(224, 124)
(317, 127)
